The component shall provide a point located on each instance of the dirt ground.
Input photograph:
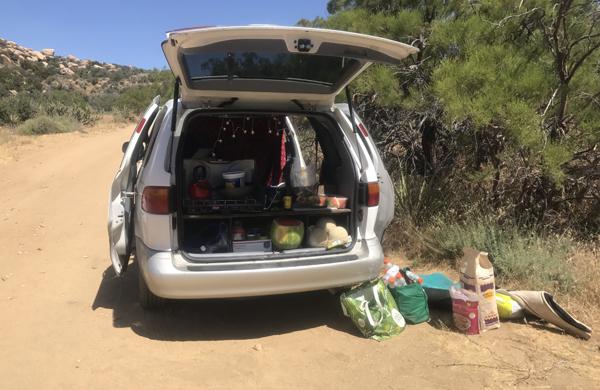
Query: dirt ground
(67, 322)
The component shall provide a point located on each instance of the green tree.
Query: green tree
(503, 97)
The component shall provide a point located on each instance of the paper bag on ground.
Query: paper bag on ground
(477, 275)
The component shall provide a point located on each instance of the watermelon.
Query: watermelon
(287, 233)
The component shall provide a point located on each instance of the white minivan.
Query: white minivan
(234, 187)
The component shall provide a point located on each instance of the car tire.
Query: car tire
(147, 298)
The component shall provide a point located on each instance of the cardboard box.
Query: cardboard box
(252, 246)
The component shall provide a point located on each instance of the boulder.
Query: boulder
(66, 71)
(44, 63)
(5, 59)
(11, 44)
(72, 65)
(38, 55)
(13, 92)
(97, 67)
(62, 66)
(71, 58)
(48, 52)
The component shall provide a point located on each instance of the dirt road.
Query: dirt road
(67, 322)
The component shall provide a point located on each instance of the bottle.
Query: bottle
(389, 273)
(400, 280)
(392, 271)
(392, 282)
(287, 196)
(413, 277)
(386, 264)
(238, 233)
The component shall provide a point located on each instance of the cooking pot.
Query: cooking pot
(200, 187)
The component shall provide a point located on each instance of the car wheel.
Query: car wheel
(147, 299)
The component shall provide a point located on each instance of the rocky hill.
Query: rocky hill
(27, 70)
(41, 82)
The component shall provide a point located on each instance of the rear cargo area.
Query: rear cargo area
(263, 185)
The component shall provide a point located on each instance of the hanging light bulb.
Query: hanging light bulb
(221, 141)
(233, 136)
(245, 131)
(227, 122)
(252, 132)
(214, 154)
(224, 128)
(247, 118)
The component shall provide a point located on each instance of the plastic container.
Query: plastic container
(465, 309)
(414, 278)
(323, 199)
(386, 264)
(400, 280)
(253, 234)
(235, 179)
(238, 233)
(392, 271)
(336, 201)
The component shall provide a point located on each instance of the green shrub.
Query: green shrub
(123, 114)
(45, 124)
(103, 101)
(15, 109)
(519, 254)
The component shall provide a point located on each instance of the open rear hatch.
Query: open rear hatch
(272, 66)
(277, 155)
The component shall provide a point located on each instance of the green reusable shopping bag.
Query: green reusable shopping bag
(412, 302)
(373, 310)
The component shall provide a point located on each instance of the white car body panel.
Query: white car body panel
(153, 229)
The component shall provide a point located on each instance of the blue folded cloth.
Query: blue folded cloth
(436, 287)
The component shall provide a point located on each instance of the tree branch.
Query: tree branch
(583, 57)
(499, 24)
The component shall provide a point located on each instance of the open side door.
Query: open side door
(121, 197)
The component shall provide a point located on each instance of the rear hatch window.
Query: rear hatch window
(316, 69)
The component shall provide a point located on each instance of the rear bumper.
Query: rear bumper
(168, 277)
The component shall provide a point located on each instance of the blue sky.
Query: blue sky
(130, 32)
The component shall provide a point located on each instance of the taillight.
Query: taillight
(155, 200)
(373, 199)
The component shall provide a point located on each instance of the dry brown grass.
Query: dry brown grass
(584, 302)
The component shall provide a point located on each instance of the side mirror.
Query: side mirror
(125, 146)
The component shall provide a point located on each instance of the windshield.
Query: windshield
(276, 66)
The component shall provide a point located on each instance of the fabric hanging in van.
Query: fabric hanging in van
(241, 137)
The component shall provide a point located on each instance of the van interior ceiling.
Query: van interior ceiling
(268, 150)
